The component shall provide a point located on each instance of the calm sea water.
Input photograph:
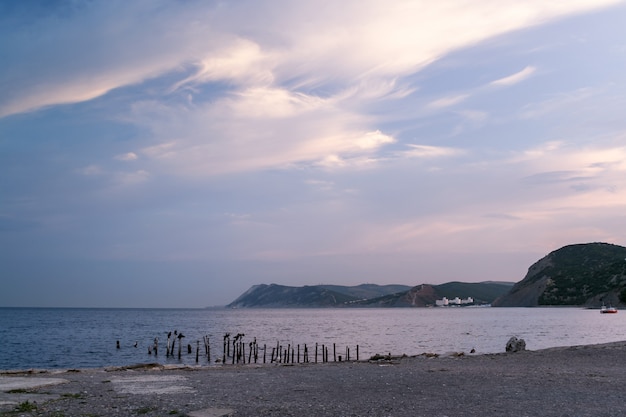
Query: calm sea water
(85, 338)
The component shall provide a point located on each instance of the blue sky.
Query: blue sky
(174, 153)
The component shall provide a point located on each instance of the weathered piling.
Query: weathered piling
(180, 343)
(291, 353)
(226, 347)
(207, 348)
(256, 351)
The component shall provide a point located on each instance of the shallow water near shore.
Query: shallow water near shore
(43, 338)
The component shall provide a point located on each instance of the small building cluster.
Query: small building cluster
(456, 301)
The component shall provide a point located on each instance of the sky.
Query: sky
(163, 153)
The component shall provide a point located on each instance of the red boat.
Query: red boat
(607, 310)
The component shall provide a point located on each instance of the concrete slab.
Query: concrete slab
(11, 383)
(151, 384)
(212, 412)
(8, 384)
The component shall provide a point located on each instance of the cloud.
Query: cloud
(557, 102)
(241, 61)
(515, 78)
(255, 129)
(98, 47)
(448, 101)
(129, 156)
(425, 151)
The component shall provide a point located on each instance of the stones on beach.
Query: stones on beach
(515, 345)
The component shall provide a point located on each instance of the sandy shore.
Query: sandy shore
(571, 381)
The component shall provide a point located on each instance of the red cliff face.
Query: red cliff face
(419, 296)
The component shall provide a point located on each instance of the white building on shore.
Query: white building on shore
(456, 301)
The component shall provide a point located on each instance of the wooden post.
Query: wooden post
(348, 354)
(357, 353)
(156, 346)
(334, 353)
(180, 344)
(167, 350)
(264, 350)
(298, 353)
(316, 352)
(117, 345)
(256, 351)
(197, 350)
(272, 358)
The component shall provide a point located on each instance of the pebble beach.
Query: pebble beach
(566, 381)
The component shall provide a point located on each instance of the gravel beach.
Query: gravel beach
(568, 381)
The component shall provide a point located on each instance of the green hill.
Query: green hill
(365, 295)
(582, 274)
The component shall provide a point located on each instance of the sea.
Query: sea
(73, 338)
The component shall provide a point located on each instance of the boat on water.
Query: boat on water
(607, 310)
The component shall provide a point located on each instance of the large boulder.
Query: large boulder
(515, 345)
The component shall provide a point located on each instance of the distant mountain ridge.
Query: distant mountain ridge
(365, 295)
(585, 274)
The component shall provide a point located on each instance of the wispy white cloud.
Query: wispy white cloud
(381, 41)
(426, 151)
(447, 101)
(559, 102)
(515, 78)
(129, 156)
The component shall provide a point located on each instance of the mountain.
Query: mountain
(582, 274)
(274, 295)
(366, 291)
(425, 295)
(365, 295)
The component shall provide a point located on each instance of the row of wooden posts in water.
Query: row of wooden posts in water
(234, 351)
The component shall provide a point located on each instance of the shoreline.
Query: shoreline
(583, 380)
